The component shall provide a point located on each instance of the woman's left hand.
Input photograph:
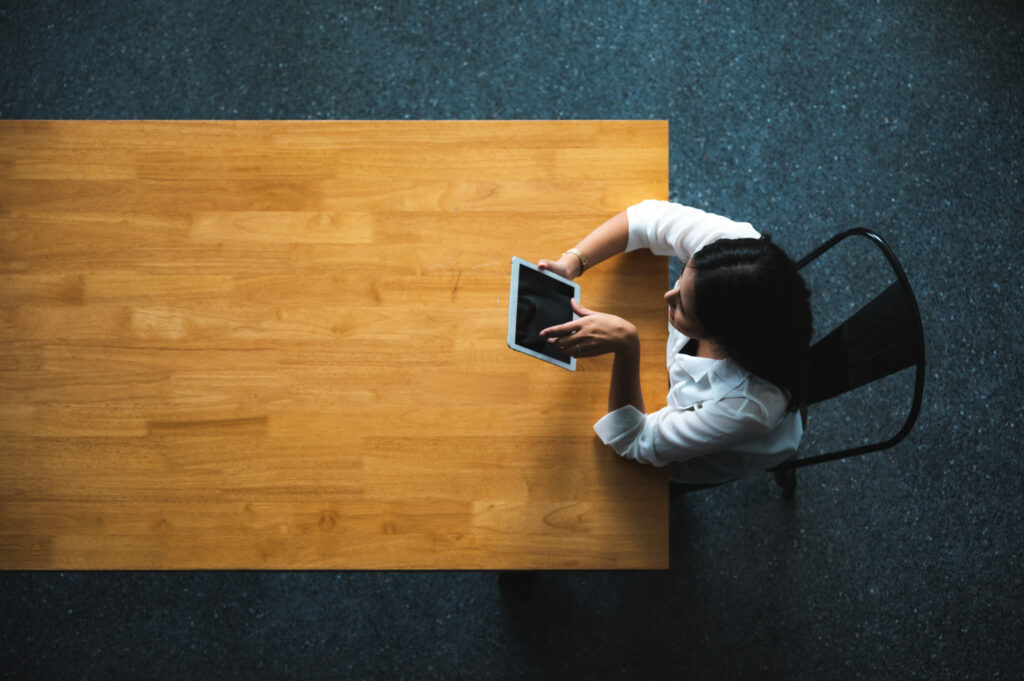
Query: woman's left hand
(593, 334)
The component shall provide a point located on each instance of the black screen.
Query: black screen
(542, 302)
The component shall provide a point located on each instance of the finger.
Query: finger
(543, 264)
(594, 348)
(580, 310)
(560, 330)
(567, 345)
(583, 349)
(578, 342)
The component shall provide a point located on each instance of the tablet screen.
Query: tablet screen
(538, 300)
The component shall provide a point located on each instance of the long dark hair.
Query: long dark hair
(752, 301)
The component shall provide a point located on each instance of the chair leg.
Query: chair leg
(786, 479)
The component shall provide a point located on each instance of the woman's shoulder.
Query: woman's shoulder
(668, 228)
(672, 211)
(756, 397)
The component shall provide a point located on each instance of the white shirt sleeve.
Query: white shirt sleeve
(674, 434)
(672, 229)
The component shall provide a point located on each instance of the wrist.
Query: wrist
(629, 343)
(584, 262)
(572, 264)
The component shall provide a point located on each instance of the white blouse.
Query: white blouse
(721, 422)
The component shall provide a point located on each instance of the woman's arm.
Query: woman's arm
(608, 239)
(624, 388)
(595, 333)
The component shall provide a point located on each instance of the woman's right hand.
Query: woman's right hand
(567, 266)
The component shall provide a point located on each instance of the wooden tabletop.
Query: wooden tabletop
(281, 345)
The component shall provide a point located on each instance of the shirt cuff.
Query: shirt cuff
(618, 429)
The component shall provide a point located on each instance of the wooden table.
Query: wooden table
(267, 345)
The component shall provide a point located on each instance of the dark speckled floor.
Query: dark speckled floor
(802, 117)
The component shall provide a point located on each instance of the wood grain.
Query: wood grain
(281, 345)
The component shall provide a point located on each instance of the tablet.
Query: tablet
(537, 300)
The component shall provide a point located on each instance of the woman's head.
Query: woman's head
(747, 296)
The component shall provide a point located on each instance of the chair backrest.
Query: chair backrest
(876, 341)
(883, 337)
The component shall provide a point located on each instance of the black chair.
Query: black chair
(883, 337)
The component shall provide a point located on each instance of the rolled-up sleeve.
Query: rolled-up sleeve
(667, 228)
(674, 434)
(621, 428)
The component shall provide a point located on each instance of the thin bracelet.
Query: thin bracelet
(582, 258)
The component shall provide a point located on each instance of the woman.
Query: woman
(739, 328)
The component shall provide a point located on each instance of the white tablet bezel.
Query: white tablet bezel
(513, 306)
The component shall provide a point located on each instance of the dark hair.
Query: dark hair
(752, 301)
